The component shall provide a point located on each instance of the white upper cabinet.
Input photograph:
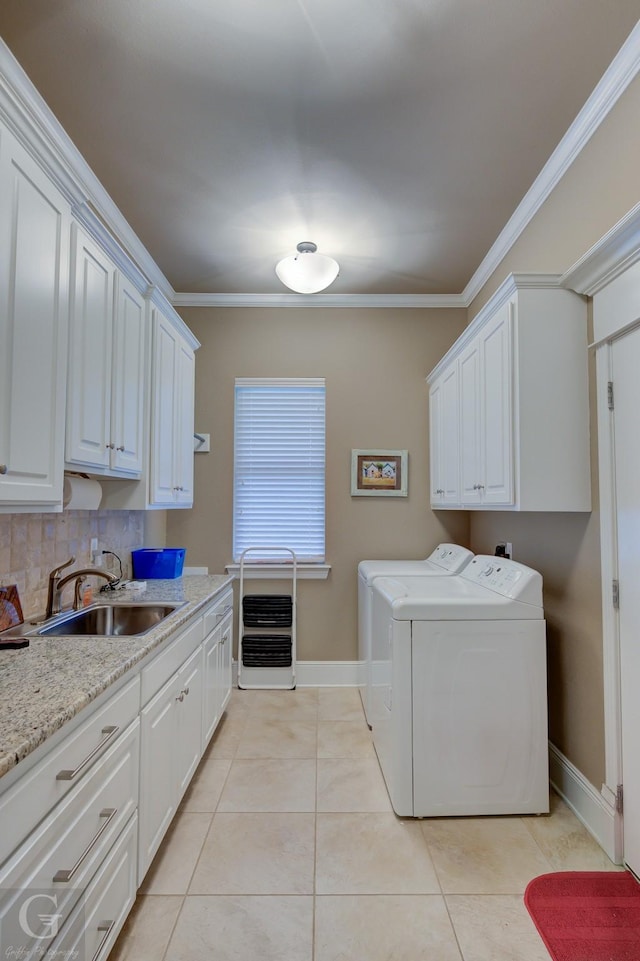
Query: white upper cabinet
(521, 441)
(107, 365)
(444, 419)
(34, 270)
(172, 415)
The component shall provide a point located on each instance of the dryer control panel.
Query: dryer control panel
(450, 557)
(505, 577)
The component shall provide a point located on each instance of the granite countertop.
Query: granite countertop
(46, 684)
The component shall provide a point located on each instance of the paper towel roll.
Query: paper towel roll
(81, 493)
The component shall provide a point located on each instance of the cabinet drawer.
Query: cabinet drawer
(33, 796)
(60, 858)
(167, 663)
(98, 918)
(213, 616)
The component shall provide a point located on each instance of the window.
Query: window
(279, 467)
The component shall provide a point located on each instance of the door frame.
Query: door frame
(610, 274)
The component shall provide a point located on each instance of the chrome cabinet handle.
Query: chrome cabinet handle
(180, 696)
(109, 732)
(480, 487)
(221, 614)
(109, 446)
(120, 448)
(439, 490)
(109, 814)
(3, 468)
(225, 638)
(107, 927)
(185, 691)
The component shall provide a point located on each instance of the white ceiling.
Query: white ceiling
(398, 135)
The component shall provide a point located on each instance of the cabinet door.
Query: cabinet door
(225, 660)
(211, 685)
(470, 459)
(445, 439)
(165, 348)
(184, 426)
(90, 354)
(159, 747)
(128, 383)
(496, 418)
(35, 228)
(436, 443)
(450, 434)
(189, 717)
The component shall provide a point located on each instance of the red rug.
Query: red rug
(587, 915)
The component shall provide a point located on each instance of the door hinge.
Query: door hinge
(615, 591)
(610, 395)
(619, 799)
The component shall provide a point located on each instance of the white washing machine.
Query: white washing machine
(446, 559)
(459, 713)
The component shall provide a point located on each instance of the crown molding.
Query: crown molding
(614, 253)
(38, 130)
(158, 299)
(622, 70)
(318, 300)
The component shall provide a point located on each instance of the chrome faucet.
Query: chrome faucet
(57, 583)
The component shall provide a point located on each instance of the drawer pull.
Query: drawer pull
(109, 732)
(107, 927)
(221, 614)
(225, 638)
(109, 814)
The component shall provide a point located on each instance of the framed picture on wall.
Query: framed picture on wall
(379, 473)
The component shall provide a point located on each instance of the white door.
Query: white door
(470, 465)
(185, 394)
(90, 350)
(34, 266)
(436, 443)
(450, 420)
(626, 364)
(166, 345)
(496, 430)
(127, 406)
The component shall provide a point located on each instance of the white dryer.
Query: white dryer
(459, 713)
(446, 559)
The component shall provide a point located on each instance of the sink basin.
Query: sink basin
(111, 620)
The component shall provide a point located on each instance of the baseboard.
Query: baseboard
(322, 673)
(588, 804)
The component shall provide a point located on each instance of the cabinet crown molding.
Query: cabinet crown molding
(510, 286)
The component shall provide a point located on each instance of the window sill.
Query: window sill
(274, 572)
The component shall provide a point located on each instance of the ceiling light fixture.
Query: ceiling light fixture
(307, 272)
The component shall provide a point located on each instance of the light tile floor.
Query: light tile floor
(286, 848)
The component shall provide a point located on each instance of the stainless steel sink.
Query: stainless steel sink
(110, 620)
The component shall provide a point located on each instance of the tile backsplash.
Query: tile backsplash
(32, 544)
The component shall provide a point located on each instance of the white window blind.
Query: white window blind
(279, 467)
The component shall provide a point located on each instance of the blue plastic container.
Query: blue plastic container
(158, 562)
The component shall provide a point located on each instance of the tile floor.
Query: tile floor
(286, 848)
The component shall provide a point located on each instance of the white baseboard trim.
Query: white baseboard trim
(322, 673)
(587, 803)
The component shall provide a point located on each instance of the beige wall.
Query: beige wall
(601, 186)
(375, 363)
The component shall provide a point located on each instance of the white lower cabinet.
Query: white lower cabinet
(217, 648)
(45, 881)
(86, 819)
(171, 731)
